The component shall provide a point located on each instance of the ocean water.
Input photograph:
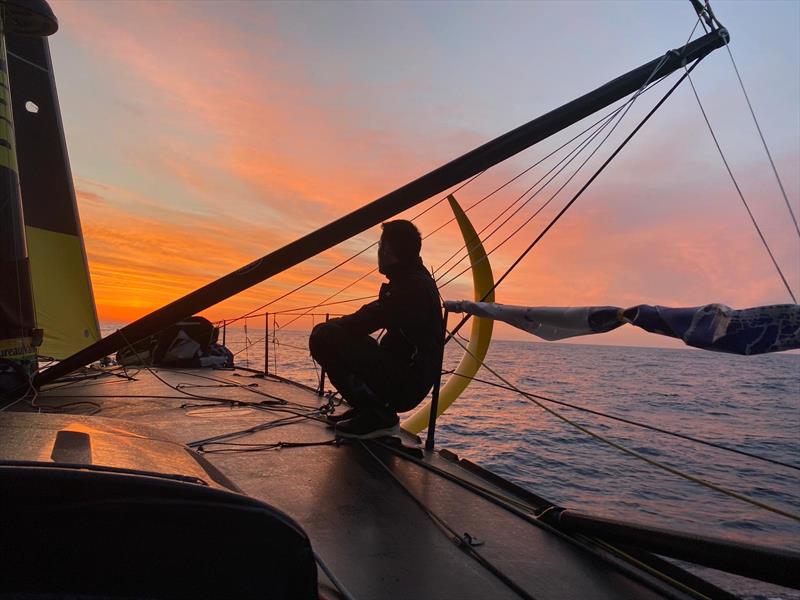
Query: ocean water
(748, 403)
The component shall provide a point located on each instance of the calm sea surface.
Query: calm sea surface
(748, 403)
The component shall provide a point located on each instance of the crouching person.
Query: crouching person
(378, 380)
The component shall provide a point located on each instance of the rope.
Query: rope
(635, 423)
(739, 191)
(630, 452)
(244, 448)
(343, 591)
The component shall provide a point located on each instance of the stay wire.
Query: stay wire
(635, 454)
(764, 141)
(739, 191)
(563, 164)
(631, 422)
(604, 120)
(564, 185)
(585, 186)
(436, 230)
(542, 207)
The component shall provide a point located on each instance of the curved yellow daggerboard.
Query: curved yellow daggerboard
(481, 336)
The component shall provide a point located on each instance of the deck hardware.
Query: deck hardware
(266, 344)
(471, 541)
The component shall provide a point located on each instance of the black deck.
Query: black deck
(354, 501)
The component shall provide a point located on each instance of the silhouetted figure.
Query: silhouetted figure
(379, 380)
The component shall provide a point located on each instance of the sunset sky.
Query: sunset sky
(203, 135)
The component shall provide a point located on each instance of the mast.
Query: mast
(393, 203)
(18, 334)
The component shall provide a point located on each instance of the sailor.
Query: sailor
(378, 380)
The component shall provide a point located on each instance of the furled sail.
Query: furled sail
(711, 327)
(62, 290)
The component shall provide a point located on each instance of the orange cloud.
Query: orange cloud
(242, 157)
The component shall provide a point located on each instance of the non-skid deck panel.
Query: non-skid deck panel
(366, 527)
(535, 558)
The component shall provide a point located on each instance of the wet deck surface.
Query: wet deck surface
(359, 503)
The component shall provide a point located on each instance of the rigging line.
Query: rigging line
(436, 230)
(626, 107)
(277, 343)
(645, 86)
(340, 587)
(544, 205)
(347, 260)
(443, 225)
(630, 422)
(296, 417)
(763, 141)
(296, 309)
(606, 118)
(635, 454)
(266, 426)
(739, 191)
(566, 160)
(555, 219)
(234, 383)
(462, 542)
(228, 382)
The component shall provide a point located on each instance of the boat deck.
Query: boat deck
(379, 519)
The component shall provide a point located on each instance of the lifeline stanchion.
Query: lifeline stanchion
(224, 331)
(430, 439)
(266, 344)
(321, 390)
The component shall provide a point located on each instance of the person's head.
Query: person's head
(400, 243)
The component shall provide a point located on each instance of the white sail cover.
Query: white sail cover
(714, 327)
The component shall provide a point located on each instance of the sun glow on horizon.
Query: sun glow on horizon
(197, 149)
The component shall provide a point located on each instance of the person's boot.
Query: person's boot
(369, 425)
(348, 414)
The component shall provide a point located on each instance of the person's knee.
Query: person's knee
(321, 339)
